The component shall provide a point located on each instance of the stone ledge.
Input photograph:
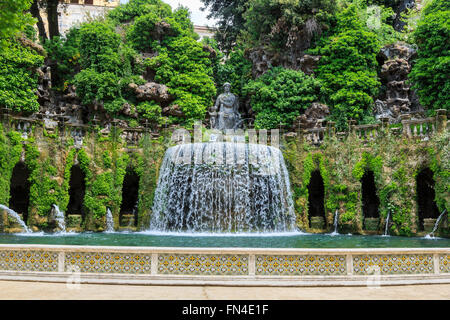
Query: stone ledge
(244, 281)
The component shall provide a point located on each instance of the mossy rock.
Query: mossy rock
(74, 220)
(127, 220)
(317, 223)
(346, 227)
(371, 224)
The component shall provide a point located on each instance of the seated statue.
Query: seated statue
(227, 105)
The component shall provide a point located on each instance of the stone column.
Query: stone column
(331, 128)
(300, 136)
(351, 127)
(385, 125)
(406, 128)
(441, 120)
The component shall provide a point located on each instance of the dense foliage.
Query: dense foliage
(103, 57)
(13, 17)
(280, 22)
(280, 95)
(230, 21)
(430, 74)
(18, 79)
(348, 68)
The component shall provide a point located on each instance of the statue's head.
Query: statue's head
(226, 87)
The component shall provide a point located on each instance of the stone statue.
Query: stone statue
(227, 105)
(382, 111)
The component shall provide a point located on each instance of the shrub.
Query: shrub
(18, 79)
(185, 67)
(430, 73)
(280, 95)
(150, 110)
(348, 69)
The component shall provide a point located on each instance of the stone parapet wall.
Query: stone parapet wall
(243, 266)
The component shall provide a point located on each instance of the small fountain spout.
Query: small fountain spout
(436, 225)
(386, 227)
(59, 217)
(109, 221)
(16, 217)
(336, 220)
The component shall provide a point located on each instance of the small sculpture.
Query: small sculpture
(228, 116)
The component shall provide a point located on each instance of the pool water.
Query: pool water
(280, 240)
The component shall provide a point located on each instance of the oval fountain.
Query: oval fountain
(223, 187)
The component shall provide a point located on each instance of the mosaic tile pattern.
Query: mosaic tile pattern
(393, 264)
(27, 260)
(203, 264)
(299, 265)
(108, 262)
(444, 263)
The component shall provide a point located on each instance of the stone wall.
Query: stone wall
(243, 267)
(394, 153)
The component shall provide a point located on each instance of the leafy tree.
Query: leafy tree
(236, 70)
(18, 79)
(185, 67)
(149, 30)
(107, 66)
(430, 73)
(135, 8)
(230, 16)
(281, 95)
(280, 21)
(13, 17)
(65, 54)
(348, 68)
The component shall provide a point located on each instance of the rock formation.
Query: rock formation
(313, 117)
(397, 97)
(152, 91)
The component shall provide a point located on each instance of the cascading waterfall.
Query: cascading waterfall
(59, 217)
(16, 217)
(436, 225)
(223, 187)
(109, 221)
(336, 220)
(386, 227)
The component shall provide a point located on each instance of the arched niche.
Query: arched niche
(77, 190)
(130, 195)
(370, 200)
(20, 190)
(316, 198)
(427, 208)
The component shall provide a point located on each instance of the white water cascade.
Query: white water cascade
(436, 225)
(16, 217)
(223, 187)
(336, 220)
(386, 227)
(59, 217)
(109, 221)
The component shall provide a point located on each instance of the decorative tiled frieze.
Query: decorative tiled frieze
(444, 263)
(108, 262)
(24, 260)
(293, 265)
(393, 264)
(203, 264)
